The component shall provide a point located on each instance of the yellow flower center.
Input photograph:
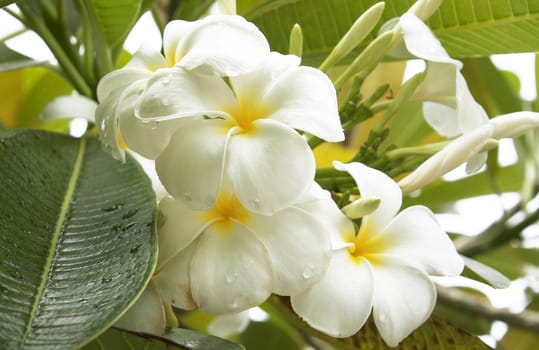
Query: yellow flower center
(368, 246)
(226, 210)
(246, 112)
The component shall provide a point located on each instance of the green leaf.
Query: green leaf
(268, 336)
(176, 338)
(481, 272)
(465, 27)
(77, 240)
(435, 333)
(12, 60)
(115, 18)
(509, 260)
(4, 3)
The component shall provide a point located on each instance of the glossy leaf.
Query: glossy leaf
(465, 27)
(115, 18)
(77, 239)
(435, 333)
(176, 338)
(12, 60)
(476, 270)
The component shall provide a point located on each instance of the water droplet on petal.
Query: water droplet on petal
(382, 317)
(255, 203)
(166, 80)
(231, 277)
(239, 301)
(308, 272)
(154, 124)
(187, 197)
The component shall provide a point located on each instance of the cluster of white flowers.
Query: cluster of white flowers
(222, 116)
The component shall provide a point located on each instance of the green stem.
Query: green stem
(69, 68)
(13, 35)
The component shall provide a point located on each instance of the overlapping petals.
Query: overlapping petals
(220, 45)
(249, 122)
(228, 259)
(384, 267)
(449, 108)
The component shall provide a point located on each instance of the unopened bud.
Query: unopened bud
(227, 7)
(296, 41)
(513, 124)
(425, 8)
(361, 207)
(355, 35)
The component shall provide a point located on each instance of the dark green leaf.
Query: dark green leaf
(465, 27)
(115, 18)
(267, 336)
(435, 333)
(4, 3)
(11, 60)
(77, 240)
(476, 270)
(176, 338)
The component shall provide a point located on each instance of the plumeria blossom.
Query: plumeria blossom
(241, 129)
(468, 146)
(224, 45)
(449, 106)
(228, 259)
(384, 267)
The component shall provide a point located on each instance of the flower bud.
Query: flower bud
(296, 41)
(361, 207)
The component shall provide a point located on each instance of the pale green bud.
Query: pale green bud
(423, 9)
(227, 7)
(371, 56)
(296, 41)
(361, 207)
(355, 35)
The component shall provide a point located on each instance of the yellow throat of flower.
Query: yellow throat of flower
(367, 245)
(227, 209)
(246, 111)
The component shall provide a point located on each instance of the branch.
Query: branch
(474, 305)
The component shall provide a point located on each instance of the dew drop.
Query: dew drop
(166, 80)
(255, 203)
(129, 214)
(106, 280)
(239, 301)
(308, 272)
(382, 317)
(231, 277)
(187, 197)
(154, 124)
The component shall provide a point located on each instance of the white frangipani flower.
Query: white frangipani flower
(226, 325)
(385, 267)
(224, 45)
(468, 146)
(228, 259)
(448, 104)
(241, 129)
(146, 315)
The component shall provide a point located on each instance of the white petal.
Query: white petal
(231, 270)
(174, 93)
(73, 106)
(403, 299)
(374, 183)
(171, 280)
(451, 156)
(439, 84)
(270, 166)
(476, 162)
(146, 315)
(298, 245)
(226, 325)
(415, 234)
(178, 227)
(119, 80)
(146, 58)
(147, 139)
(471, 114)
(422, 43)
(442, 118)
(174, 33)
(191, 167)
(305, 99)
(106, 119)
(318, 203)
(340, 303)
(513, 124)
(223, 44)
